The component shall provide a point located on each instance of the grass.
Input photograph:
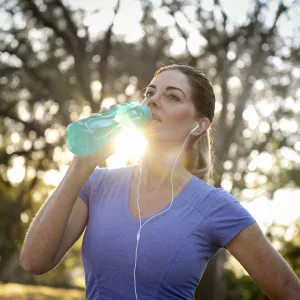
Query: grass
(13, 291)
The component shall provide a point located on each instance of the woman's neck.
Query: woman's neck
(157, 165)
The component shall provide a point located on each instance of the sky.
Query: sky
(237, 10)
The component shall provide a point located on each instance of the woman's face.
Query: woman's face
(169, 97)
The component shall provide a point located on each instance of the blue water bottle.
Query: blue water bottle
(90, 135)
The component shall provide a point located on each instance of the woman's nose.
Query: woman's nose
(153, 101)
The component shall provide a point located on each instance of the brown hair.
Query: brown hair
(198, 157)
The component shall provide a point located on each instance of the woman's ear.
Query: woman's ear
(203, 126)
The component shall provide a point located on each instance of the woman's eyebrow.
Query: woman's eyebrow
(168, 88)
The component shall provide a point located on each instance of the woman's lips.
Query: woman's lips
(156, 118)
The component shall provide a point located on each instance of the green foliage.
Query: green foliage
(243, 288)
(290, 249)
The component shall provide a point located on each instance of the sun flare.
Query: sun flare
(130, 145)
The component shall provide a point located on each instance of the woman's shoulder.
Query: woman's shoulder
(210, 199)
(108, 174)
(198, 193)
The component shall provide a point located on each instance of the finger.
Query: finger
(103, 109)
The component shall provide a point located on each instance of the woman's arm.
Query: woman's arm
(264, 264)
(62, 219)
(47, 230)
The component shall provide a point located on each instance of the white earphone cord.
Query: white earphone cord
(137, 201)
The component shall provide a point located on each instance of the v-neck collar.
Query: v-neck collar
(126, 195)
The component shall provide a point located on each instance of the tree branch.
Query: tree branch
(257, 63)
(47, 23)
(246, 31)
(176, 8)
(71, 25)
(107, 46)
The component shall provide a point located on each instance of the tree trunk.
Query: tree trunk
(213, 285)
(8, 270)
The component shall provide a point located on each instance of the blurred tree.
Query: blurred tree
(54, 72)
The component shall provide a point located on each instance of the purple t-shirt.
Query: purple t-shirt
(174, 247)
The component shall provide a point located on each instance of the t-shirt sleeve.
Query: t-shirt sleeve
(93, 182)
(228, 219)
(84, 192)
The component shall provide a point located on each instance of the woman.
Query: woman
(152, 228)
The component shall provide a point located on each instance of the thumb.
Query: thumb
(105, 108)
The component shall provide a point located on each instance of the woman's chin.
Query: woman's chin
(151, 128)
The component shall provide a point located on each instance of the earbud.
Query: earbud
(196, 127)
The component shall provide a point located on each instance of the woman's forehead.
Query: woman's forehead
(171, 78)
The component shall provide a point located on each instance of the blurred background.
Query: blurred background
(62, 60)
